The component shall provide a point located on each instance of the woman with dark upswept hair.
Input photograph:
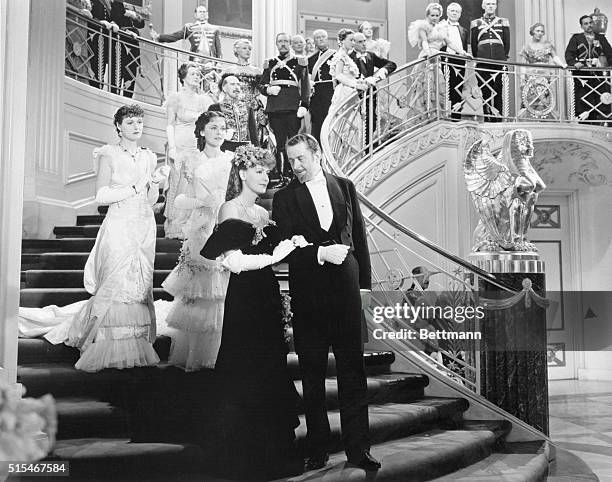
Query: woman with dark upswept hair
(198, 284)
(255, 399)
(115, 328)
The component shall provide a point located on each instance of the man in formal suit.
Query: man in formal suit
(321, 80)
(589, 50)
(286, 85)
(490, 39)
(325, 280)
(373, 69)
(456, 75)
(203, 37)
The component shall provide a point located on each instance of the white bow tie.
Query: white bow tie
(454, 24)
(361, 56)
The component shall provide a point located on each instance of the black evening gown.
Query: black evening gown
(255, 409)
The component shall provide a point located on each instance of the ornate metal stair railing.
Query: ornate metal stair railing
(128, 65)
(447, 87)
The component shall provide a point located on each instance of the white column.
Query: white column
(398, 26)
(45, 107)
(172, 21)
(14, 36)
(269, 18)
(550, 13)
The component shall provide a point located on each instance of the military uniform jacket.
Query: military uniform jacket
(194, 32)
(318, 68)
(579, 49)
(291, 74)
(490, 38)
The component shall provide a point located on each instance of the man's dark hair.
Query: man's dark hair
(583, 17)
(221, 82)
(310, 142)
(282, 33)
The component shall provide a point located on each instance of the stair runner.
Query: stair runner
(110, 427)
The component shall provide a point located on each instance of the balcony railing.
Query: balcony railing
(447, 87)
(128, 65)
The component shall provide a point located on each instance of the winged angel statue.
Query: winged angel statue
(505, 190)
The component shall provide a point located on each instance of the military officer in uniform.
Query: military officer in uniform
(323, 84)
(285, 83)
(203, 37)
(490, 39)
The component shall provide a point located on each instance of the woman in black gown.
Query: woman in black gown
(255, 411)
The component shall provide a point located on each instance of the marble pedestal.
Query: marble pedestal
(513, 366)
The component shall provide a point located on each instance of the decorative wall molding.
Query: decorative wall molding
(307, 22)
(71, 136)
(78, 204)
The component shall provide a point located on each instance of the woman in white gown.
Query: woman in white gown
(430, 35)
(115, 328)
(198, 284)
(344, 70)
(183, 108)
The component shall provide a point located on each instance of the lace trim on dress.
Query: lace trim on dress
(348, 64)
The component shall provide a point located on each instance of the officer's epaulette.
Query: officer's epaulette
(475, 23)
(266, 64)
(505, 22)
(302, 61)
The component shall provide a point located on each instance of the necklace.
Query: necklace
(253, 217)
(126, 150)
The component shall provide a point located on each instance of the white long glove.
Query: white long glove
(185, 202)
(237, 261)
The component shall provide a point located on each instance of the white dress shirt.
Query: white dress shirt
(320, 196)
(454, 36)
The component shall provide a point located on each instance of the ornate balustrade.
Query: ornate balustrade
(126, 64)
(446, 87)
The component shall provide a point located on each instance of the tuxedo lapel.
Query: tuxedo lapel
(336, 197)
(307, 207)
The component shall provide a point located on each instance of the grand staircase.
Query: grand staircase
(137, 424)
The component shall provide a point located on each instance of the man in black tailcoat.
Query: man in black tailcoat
(456, 74)
(321, 81)
(286, 84)
(326, 279)
(373, 69)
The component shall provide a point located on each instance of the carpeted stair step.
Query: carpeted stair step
(85, 245)
(393, 421)
(39, 297)
(88, 416)
(383, 388)
(121, 459)
(519, 462)
(62, 379)
(376, 362)
(89, 231)
(73, 278)
(414, 458)
(78, 260)
(33, 351)
(91, 219)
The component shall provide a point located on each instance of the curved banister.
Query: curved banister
(414, 96)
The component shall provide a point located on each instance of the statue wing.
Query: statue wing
(484, 175)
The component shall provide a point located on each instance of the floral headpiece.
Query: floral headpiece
(248, 155)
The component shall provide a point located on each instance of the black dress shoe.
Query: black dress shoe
(316, 462)
(366, 462)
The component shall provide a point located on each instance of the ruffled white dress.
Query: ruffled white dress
(345, 73)
(115, 328)
(199, 284)
(186, 110)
